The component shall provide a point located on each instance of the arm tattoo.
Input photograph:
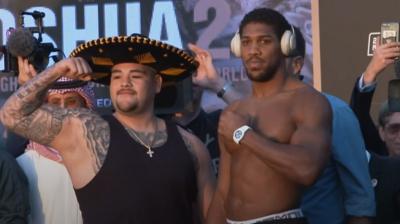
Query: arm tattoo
(97, 133)
(42, 125)
(25, 101)
(45, 124)
(24, 114)
(31, 95)
(96, 130)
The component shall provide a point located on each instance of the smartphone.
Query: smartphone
(389, 32)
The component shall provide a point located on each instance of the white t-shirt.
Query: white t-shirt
(52, 196)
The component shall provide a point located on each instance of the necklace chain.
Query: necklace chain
(147, 146)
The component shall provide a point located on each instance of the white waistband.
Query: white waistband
(295, 213)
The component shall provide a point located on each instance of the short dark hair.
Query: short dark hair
(300, 43)
(268, 17)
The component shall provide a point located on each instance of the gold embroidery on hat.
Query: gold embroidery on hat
(146, 58)
(173, 71)
(102, 61)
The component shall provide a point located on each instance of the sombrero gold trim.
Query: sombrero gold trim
(173, 71)
(103, 53)
(102, 61)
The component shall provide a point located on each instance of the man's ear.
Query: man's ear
(158, 81)
(298, 63)
(381, 133)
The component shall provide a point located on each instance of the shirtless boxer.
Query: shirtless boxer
(275, 142)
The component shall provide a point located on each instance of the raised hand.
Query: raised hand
(74, 68)
(384, 55)
(26, 71)
(206, 75)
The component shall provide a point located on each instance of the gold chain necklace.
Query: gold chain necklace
(148, 147)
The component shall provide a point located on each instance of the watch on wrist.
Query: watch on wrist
(222, 91)
(238, 134)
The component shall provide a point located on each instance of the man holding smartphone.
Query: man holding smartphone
(383, 140)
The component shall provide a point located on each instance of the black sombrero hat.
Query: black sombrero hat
(171, 63)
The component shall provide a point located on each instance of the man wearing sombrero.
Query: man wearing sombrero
(129, 167)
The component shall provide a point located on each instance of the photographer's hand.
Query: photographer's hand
(26, 71)
(384, 55)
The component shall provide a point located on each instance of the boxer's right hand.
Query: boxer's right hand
(229, 122)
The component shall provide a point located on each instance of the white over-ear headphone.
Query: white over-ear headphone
(288, 43)
(235, 44)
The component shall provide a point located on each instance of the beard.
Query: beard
(265, 75)
(126, 106)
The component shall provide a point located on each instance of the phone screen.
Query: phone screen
(389, 32)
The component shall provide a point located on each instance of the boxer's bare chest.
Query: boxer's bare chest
(273, 118)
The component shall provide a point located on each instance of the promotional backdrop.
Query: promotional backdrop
(209, 23)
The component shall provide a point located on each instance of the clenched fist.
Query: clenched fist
(74, 68)
(230, 121)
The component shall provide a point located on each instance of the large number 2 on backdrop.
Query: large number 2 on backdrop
(221, 19)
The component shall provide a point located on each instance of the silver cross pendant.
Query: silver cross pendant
(150, 152)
